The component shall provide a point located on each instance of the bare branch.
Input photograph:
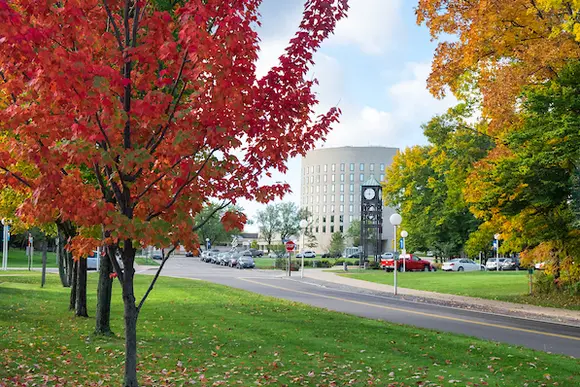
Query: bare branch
(16, 176)
(214, 211)
(102, 129)
(113, 257)
(166, 127)
(115, 27)
(185, 184)
(165, 257)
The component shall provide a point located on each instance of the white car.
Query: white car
(307, 254)
(387, 255)
(540, 265)
(494, 263)
(461, 264)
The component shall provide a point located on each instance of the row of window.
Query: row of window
(342, 167)
(316, 178)
(330, 208)
(331, 228)
(311, 189)
(326, 198)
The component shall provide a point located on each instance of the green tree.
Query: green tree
(336, 243)
(427, 182)
(213, 228)
(353, 232)
(289, 222)
(268, 221)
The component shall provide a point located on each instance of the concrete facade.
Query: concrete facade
(330, 188)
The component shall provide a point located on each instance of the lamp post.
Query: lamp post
(207, 244)
(303, 225)
(496, 237)
(404, 234)
(395, 220)
(5, 245)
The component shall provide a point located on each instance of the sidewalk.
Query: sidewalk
(500, 307)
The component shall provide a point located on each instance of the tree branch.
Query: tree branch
(17, 177)
(102, 129)
(166, 127)
(214, 211)
(165, 257)
(116, 266)
(115, 27)
(185, 184)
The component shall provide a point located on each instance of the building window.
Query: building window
(312, 169)
(317, 209)
(342, 208)
(362, 177)
(342, 188)
(350, 218)
(351, 208)
(324, 208)
(317, 189)
(306, 171)
(316, 229)
(382, 167)
(351, 198)
(306, 200)
(332, 208)
(341, 167)
(324, 229)
(342, 177)
(332, 228)
(332, 198)
(324, 198)
(318, 178)
(333, 167)
(317, 198)
(324, 178)
(311, 179)
(341, 218)
(325, 168)
(341, 228)
(362, 166)
(332, 177)
(324, 219)
(351, 177)
(331, 218)
(371, 167)
(332, 188)
(325, 189)
(318, 169)
(382, 177)
(342, 197)
(351, 188)
(351, 167)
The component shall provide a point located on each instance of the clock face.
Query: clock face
(369, 194)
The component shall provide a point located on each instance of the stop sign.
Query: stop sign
(290, 246)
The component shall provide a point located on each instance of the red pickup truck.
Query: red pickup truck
(411, 263)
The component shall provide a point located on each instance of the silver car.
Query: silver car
(245, 262)
(494, 263)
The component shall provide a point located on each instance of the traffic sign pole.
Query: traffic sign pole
(289, 248)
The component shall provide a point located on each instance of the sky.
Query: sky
(374, 68)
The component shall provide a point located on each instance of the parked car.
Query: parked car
(357, 255)
(331, 255)
(387, 255)
(307, 254)
(462, 264)
(223, 259)
(157, 256)
(540, 266)
(494, 263)
(92, 261)
(233, 258)
(257, 253)
(245, 262)
(411, 262)
(188, 254)
(273, 254)
(510, 264)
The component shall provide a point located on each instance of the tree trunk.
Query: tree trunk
(62, 268)
(73, 288)
(44, 250)
(130, 379)
(81, 299)
(104, 293)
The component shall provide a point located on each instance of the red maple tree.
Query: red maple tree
(158, 103)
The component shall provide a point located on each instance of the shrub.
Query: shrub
(373, 265)
(543, 283)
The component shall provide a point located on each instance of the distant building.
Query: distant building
(331, 188)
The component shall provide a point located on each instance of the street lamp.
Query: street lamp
(496, 237)
(207, 244)
(6, 234)
(303, 225)
(395, 220)
(404, 234)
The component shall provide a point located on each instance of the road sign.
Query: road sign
(290, 246)
(401, 243)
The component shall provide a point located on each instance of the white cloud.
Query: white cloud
(370, 25)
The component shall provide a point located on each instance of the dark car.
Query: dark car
(245, 262)
(189, 254)
(331, 255)
(157, 256)
(355, 255)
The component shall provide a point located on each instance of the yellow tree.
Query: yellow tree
(502, 45)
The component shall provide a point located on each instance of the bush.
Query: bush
(543, 283)
(373, 265)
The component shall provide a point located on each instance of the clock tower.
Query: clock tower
(371, 222)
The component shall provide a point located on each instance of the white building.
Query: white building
(331, 188)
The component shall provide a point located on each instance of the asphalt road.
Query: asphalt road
(548, 337)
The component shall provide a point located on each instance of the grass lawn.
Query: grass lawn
(264, 263)
(505, 286)
(17, 258)
(196, 333)
(146, 261)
